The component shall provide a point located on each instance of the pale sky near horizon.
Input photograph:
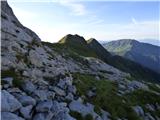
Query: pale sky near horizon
(100, 20)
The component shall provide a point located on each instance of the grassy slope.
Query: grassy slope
(107, 98)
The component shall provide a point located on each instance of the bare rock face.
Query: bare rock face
(9, 102)
(12, 27)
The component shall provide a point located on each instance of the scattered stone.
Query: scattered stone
(105, 115)
(72, 89)
(149, 117)
(63, 116)
(138, 110)
(62, 84)
(69, 97)
(44, 106)
(59, 91)
(28, 86)
(26, 112)
(121, 86)
(50, 95)
(81, 108)
(91, 93)
(40, 116)
(14, 90)
(10, 116)
(97, 78)
(27, 100)
(136, 85)
(150, 107)
(8, 80)
(60, 111)
(9, 102)
(41, 94)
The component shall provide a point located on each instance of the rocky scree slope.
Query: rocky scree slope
(136, 51)
(40, 82)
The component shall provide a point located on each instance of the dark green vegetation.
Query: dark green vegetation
(145, 54)
(78, 116)
(17, 81)
(107, 98)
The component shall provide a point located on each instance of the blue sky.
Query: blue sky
(103, 20)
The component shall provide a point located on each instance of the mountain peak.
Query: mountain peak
(92, 40)
(128, 41)
(69, 38)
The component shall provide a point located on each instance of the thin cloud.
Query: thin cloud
(77, 9)
(134, 21)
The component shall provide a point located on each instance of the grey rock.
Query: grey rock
(59, 91)
(27, 100)
(41, 94)
(28, 86)
(50, 94)
(10, 116)
(105, 115)
(57, 107)
(138, 110)
(26, 112)
(14, 90)
(136, 85)
(62, 84)
(60, 111)
(5, 86)
(8, 80)
(84, 109)
(150, 107)
(72, 89)
(63, 116)
(121, 86)
(44, 106)
(149, 117)
(9, 102)
(97, 78)
(40, 116)
(35, 58)
(69, 97)
(43, 116)
(91, 93)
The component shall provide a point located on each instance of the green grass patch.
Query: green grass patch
(17, 81)
(154, 88)
(78, 116)
(106, 96)
(141, 97)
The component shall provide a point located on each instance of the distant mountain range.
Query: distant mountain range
(143, 53)
(150, 41)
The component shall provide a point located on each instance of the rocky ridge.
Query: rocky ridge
(38, 83)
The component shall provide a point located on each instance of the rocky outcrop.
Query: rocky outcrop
(9, 102)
